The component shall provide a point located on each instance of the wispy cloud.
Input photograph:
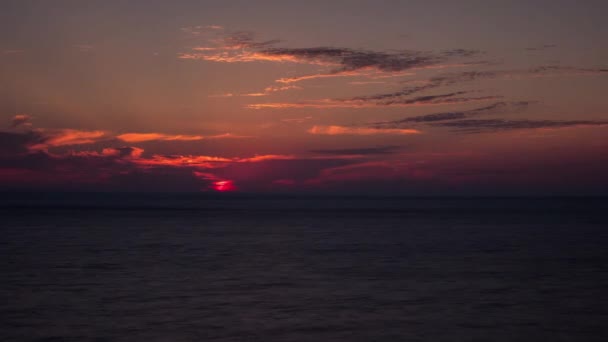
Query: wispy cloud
(243, 47)
(541, 47)
(141, 137)
(493, 125)
(223, 95)
(123, 152)
(359, 151)
(189, 161)
(67, 137)
(259, 158)
(373, 101)
(271, 90)
(350, 130)
(498, 107)
(297, 120)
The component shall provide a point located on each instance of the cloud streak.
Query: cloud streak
(498, 107)
(350, 130)
(67, 137)
(140, 137)
(243, 47)
(426, 100)
(494, 125)
(359, 151)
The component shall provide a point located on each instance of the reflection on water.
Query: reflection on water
(304, 275)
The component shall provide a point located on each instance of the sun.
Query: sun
(224, 186)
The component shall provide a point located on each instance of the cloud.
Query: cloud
(535, 72)
(16, 143)
(283, 88)
(21, 120)
(364, 171)
(349, 130)
(493, 125)
(469, 76)
(242, 46)
(123, 152)
(140, 137)
(403, 97)
(65, 137)
(223, 95)
(297, 120)
(498, 107)
(427, 100)
(359, 151)
(330, 75)
(369, 170)
(541, 47)
(270, 90)
(259, 158)
(190, 161)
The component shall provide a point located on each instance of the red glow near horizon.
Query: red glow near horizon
(224, 186)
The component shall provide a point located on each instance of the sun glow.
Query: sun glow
(224, 186)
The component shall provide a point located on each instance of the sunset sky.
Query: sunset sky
(329, 97)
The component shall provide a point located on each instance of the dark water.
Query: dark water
(367, 270)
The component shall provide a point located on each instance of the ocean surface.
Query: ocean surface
(185, 268)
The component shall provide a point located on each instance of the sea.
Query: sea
(186, 267)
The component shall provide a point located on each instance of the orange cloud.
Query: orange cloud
(344, 130)
(184, 161)
(123, 152)
(139, 137)
(234, 54)
(363, 72)
(208, 162)
(66, 137)
(259, 158)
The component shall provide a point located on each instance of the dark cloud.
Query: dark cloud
(424, 99)
(437, 99)
(359, 151)
(492, 125)
(470, 76)
(434, 82)
(246, 39)
(242, 46)
(400, 98)
(396, 94)
(498, 107)
(350, 59)
(11, 143)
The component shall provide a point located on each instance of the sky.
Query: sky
(387, 97)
